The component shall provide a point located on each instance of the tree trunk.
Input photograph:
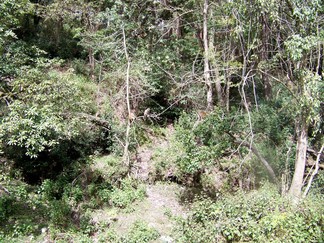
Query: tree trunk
(220, 97)
(126, 156)
(91, 62)
(214, 65)
(176, 25)
(227, 73)
(297, 181)
(264, 56)
(206, 61)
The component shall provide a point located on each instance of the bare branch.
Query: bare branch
(314, 172)
(4, 189)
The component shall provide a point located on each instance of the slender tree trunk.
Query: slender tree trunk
(319, 68)
(227, 94)
(176, 25)
(214, 65)
(177, 29)
(126, 148)
(91, 28)
(226, 60)
(264, 56)
(220, 97)
(297, 181)
(206, 61)
(58, 32)
(126, 156)
(91, 62)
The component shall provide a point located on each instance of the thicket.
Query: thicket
(207, 152)
(240, 82)
(257, 216)
(63, 205)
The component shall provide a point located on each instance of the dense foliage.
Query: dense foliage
(233, 88)
(262, 216)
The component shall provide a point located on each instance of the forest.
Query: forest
(161, 121)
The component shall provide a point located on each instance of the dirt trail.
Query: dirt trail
(143, 165)
(155, 210)
(162, 201)
(160, 206)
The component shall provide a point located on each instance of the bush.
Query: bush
(6, 207)
(164, 160)
(128, 192)
(260, 216)
(51, 123)
(203, 143)
(141, 232)
(110, 167)
(60, 214)
(275, 123)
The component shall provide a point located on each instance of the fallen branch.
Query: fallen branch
(4, 189)
(315, 153)
(311, 163)
(317, 166)
(260, 157)
(97, 120)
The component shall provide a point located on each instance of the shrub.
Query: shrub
(275, 123)
(260, 216)
(109, 167)
(6, 207)
(204, 143)
(128, 192)
(60, 214)
(141, 232)
(164, 160)
(51, 123)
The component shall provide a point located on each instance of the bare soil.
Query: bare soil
(157, 210)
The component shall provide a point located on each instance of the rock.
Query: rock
(166, 239)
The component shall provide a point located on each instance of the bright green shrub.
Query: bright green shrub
(110, 167)
(43, 116)
(204, 143)
(50, 123)
(260, 216)
(207, 143)
(165, 160)
(141, 232)
(128, 192)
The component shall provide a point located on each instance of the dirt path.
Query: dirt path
(160, 206)
(156, 210)
(143, 165)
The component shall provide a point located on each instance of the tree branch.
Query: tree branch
(4, 189)
(260, 157)
(314, 172)
(94, 119)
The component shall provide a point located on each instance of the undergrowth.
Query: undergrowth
(60, 209)
(259, 216)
